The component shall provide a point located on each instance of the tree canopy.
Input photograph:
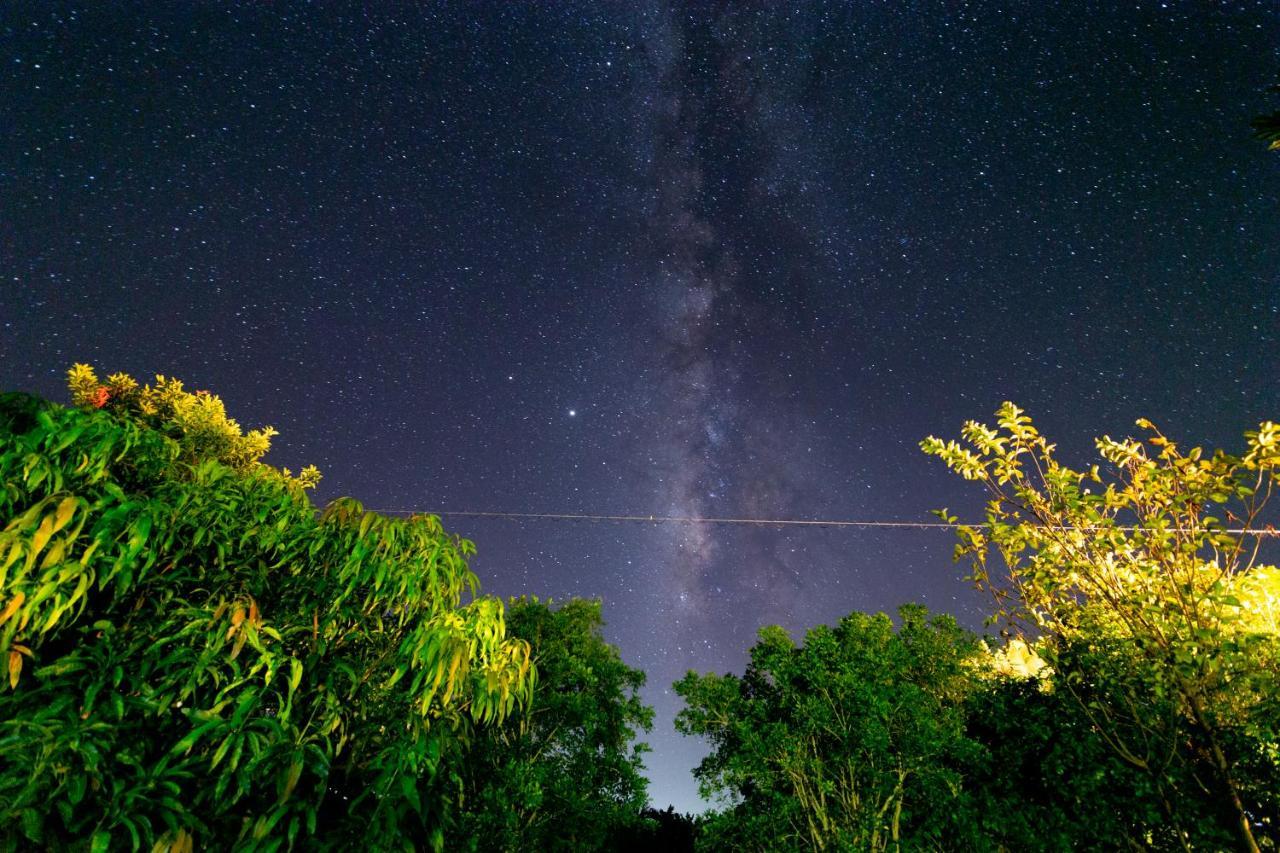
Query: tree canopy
(1267, 127)
(851, 740)
(1158, 617)
(565, 773)
(197, 658)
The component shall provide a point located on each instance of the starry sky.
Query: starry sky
(654, 259)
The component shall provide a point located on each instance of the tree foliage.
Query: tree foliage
(852, 740)
(1157, 618)
(565, 773)
(1046, 780)
(665, 830)
(1267, 127)
(196, 658)
(197, 421)
(807, 752)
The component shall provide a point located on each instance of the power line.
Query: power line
(762, 522)
(680, 519)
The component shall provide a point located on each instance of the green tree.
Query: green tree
(849, 741)
(566, 773)
(1158, 620)
(196, 658)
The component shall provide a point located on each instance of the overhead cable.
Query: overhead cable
(762, 522)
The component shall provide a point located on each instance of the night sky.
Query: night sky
(647, 259)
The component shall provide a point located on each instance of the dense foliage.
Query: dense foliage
(196, 658)
(665, 830)
(565, 773)
(1136, 702)
(922, 739)
(1046, 780)
(1160, 621)
(852, 740)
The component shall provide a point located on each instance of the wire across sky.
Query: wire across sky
(763, 522)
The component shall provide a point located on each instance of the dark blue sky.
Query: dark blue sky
(635, 258)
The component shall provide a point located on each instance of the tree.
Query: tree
(1157, 618)
(566, 773)
(197, 658)
(667, 830)
(1014, 762)
(849, 741)
(1267, 128)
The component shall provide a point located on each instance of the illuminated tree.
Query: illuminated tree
(1158, 619)
(197, 421)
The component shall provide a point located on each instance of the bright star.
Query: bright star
(573, 413)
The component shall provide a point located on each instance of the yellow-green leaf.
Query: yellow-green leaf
(41, 538)
(12, 606)
(66, 509)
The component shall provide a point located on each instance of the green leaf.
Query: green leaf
(33, 825)
(75, 787)
(185, 745)
(295, 674)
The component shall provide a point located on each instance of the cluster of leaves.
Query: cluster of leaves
(1159, 620)
(197, 421)
(565, 773)
(1045, 780)
(197, 658)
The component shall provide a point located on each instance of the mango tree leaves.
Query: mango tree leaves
(566, 774)
(197, 658)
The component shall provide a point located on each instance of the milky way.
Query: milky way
(726, 356)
